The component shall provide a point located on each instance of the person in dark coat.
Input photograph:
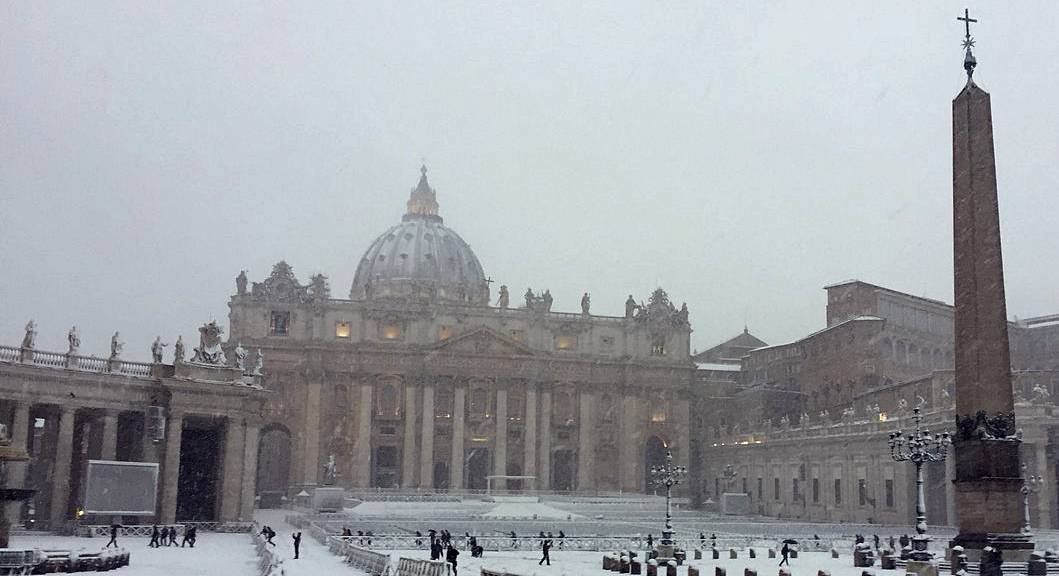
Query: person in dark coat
(172, 537)
(875, 538)
(650, 541)
(297, 537)
(545, 547)
(165, 536)
(450, 557)
(155, 534)
(562, 537)
(786, 552)
(114, 528)
(193, 535)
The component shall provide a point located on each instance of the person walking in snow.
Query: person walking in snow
(154, 537)
(545, 547)
(297, 537)
(114, 528)
(450, 557)
(172, 537)
(786, 552)
(165, 536)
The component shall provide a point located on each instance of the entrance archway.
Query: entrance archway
(477, 468)
(654, 455)
(564, 470)
(273, 459)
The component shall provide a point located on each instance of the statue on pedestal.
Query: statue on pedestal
(156, 350)
(240, 283)
(240, 356)
(630, 307)
(74, 340)
(209, 350)
(547, 298)
(586, 301)
(116, 345)
(259, 363)
(330, 471)
(30, 339)
(178, 350)
(502, 302)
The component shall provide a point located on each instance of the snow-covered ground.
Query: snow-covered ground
(313, 559)
(214, 554)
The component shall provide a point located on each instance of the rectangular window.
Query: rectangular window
(565, 342)
(279, 323)
(889, 493)
(342, 330)
(760, 485)
(862, 492)
(816, 490)
(775, 488)
(838, 490)
(444, 332)
(658, 346)
(391, 332)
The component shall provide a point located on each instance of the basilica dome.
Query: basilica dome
(421, 258)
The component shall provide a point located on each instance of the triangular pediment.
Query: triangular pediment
(482, 340)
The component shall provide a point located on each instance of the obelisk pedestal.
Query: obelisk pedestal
(987, 472)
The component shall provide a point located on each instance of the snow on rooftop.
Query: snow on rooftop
(718, 366)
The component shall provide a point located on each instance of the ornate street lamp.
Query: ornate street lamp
(919, 447)
(1030, 485)
(669, 476)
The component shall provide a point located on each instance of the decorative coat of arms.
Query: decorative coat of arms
(283, 286)
(209, 349)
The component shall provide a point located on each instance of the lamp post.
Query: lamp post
(919, 447)
(1030, 485)
(669, 476)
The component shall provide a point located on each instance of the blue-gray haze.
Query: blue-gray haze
(742, 155)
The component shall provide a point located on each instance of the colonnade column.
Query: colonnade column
(233, 469)
(950, 490)
(586, 473)
(408, 450)
(110, 435)
(544, 476)
(16, 471)
(500, 439)
(311, 446)
(1046, 471)
(426, 444)
(64, 443)
(249, 488)
(458, 407)
(171, 471)
(362, 445)
(529, 438)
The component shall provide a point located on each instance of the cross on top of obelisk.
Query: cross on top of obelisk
(969, 61)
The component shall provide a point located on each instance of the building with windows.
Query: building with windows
(422, 378)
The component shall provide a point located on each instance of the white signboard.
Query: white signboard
(121, 488)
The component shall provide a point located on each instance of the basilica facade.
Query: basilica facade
(425, 378)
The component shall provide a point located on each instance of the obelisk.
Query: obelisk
(988, 477)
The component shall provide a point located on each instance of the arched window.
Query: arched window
(479, 402)
(388, 401)
(443, 404)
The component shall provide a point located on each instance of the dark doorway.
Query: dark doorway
(514, 484)
(385, 469)
(200, 459)
(936, 486)
(564, 468)
(273, 460)
(441, 475)
(477, 468)
(654, 455)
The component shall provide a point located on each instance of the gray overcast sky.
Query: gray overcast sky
(741, 155)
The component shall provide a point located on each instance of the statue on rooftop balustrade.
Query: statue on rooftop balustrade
(240, 356)
(73, 337)
(586, 302)
(116, 346)
(503, 301)
(240, 283)
(156, 350)
(178, 350)
(209, 350)
(30, 339)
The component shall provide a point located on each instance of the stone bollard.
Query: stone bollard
(732, 554)
(698, 554)
(652, 567)
(867, 573)
(680, 556)
(957, 559)
(606, 562)
(1051, 557)
(888, 562)
(990, 564)
(834, 553)
(906, 552)
(751, 552)
(635, 567)
(772, 552)
(823, 573)
(1037, 566)
(671, 568)
(719, 571)
(794, 553)
(623, 567)
(716, 554)
(693, 571)
(785, 571)
(749, 572)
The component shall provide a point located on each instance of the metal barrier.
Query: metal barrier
(373, 563)
(268, 563)
(144, 530)
(413, 567)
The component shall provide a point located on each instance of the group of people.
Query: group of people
(442, 546)
(269, 534)
(167, 536)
